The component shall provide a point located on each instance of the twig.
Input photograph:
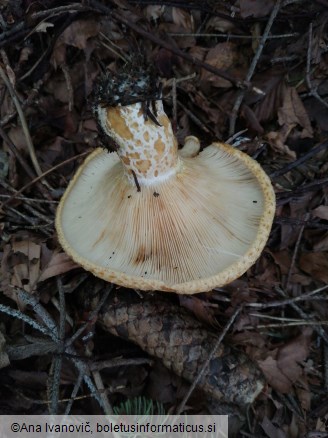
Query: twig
(297, 245)
(69, 86)
(22, 26)
(137, 28)
(321, 332)
(22, 198)
(299, 223)
(44, 174)
(320, 147)
(108, 410)
(19, 315)
(282, 303)
(23, 163)
(325, 361)
(313, 91)
(119, 362)
(175, 106)
(77, 386)
(208, 360)
(31, 300)
(26, 131)
(251, 70)
(194, 118)
(232, 36)
(32, 221)
(54, 383)
(91, 317)
(28, 101)
(287, 324)
(62, 309)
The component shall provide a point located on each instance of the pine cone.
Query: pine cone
(169, 333)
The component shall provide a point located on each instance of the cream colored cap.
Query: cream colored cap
(202, 228)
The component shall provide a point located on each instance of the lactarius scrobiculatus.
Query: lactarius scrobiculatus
(141, 215)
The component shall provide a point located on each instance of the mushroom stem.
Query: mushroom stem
(148, 151)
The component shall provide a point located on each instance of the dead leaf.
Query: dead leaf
(255, 8)
(220, 24)
(77, 34)
(223, 56)
(26, 274)
(293, 113)
(154, 12)
(43, 26)
(270, 430)
(292, 354)
(282, 367)
(321, 212)
(58, 264)
(277, 140)
(199, 308)
(315, 264)
(273, 374)
(183, 18)
(322, 244)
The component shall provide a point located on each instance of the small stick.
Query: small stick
(251, 70)
(44, 173)
(119, 362)
(232, 36)
(108, 410)
(325, 360)
(304, 297)
(68, 80)
(137, 28)
(320, 147)
(313, 91)
(208, 360)
(297, 245)
(26, 131)
(321, 332)
(175, 106)
(194, 118)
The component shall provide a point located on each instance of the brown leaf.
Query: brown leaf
(223, 56)
(27, 274)
(321, 212)
(256, 8)
(315, 264)
(274, 375)
(154, 12)
(293, 113)
(199, 308)
(59, 264)
(277, 140)
(183, 18)
(292, 354)
(322, 244)
(77, 35)
(282, 367)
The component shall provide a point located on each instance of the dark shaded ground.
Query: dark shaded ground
(252, 73)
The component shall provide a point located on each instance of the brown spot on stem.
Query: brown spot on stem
(117, 123)
(135, 155)
(159, 146)
(146, 136)
(143, 165)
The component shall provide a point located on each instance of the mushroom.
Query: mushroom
(144, 216)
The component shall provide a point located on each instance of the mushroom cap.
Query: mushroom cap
(200, 229)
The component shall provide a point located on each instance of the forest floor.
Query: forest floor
(246, 72)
